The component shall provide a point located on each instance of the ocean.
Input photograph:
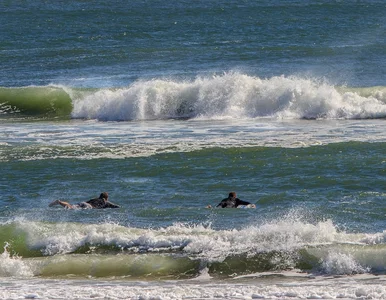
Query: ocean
(168, 107)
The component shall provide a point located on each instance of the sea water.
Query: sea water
(168, 107)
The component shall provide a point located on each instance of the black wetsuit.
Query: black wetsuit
(232, 202)
(101, 203)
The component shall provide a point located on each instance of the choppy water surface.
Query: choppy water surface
(170, 106)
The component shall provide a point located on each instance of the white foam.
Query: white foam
(200, 240)
(13, 265)
(339, 253)
(319, 288)
(232, 95)
(92, 139)
(340, 263)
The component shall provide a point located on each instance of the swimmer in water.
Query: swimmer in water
(232, 202)
(98, 203)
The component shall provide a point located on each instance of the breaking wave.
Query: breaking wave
(186, 251)
(231, 95)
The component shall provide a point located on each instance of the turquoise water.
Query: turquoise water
(170, 106)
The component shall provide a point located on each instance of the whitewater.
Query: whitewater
(149, 252)
(226, 96)
(168, 107)
(307, 153)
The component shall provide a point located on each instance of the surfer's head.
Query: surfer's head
(104, 195)
(232, 195)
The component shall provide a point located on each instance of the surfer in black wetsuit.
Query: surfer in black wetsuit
(232, 202)
(101, 202)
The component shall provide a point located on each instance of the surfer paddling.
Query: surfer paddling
(233, 202)
(101, 202)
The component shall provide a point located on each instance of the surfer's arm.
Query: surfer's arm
(111, 205)
(222, 203)
(241, 202)
(61, 203)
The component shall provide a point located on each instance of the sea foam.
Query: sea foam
(232, 95)
(13, 265)
(115, 250)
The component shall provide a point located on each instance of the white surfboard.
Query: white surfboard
(247, 206)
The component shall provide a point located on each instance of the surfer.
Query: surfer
(101, 202)
(232, 202)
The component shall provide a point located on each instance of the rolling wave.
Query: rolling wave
(182, 251)
(35, 101)
(232, 95)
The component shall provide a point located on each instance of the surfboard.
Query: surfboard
(247, 206)
(240, 206)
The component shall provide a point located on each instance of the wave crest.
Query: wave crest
(232, 95)
(276, 246)
(229, 96)
(35, 101)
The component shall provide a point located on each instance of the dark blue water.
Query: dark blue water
(113, 44)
